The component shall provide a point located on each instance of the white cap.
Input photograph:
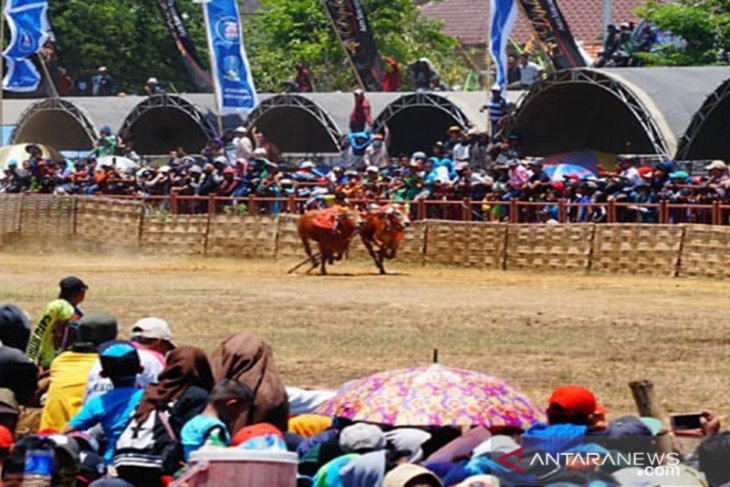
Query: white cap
(371, 169)
(240, 130)
(164, 168)
(307, 165)
(102, 68)
(359, 91)
(152, 328)
(152, 81)
(195, 168)
(260, 152)
(496, 87)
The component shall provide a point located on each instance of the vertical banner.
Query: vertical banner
(353, 31)
(29, 30)
(184, 44)
(502, 16)
(229, 66)
(553, 32)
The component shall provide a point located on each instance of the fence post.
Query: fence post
(211, 204)
(421, 210)
(74, 214)
(514, 216)
(562, 211)
(252, 205)
(611, 211)
(173, 203)
(662, 211)
(292, 204)
(716, 217)
(466, 210)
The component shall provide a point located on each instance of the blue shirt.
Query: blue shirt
(196, 432)
(112, 410)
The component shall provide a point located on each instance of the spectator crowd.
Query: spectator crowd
(80, 406)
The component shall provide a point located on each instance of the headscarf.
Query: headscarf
(248, 359)
(365, 471)
(186, 366)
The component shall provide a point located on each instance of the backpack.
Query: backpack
(149, 445)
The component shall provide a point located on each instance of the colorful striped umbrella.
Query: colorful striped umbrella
(585, 158)
(562, 171)
(433, 396)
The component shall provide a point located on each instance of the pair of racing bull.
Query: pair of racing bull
(381, 229)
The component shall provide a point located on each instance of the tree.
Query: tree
(703, 29)
(127, 36)
(288, 32)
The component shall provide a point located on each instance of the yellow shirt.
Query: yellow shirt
(69, 372)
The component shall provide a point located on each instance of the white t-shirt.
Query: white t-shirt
(153, 364)
(529, 73)
(244, 148)
(632, 174)
(461, 152)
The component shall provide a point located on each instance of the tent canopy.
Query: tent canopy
(162, 123)
(708, 136)
(627, 110)
(56, 123)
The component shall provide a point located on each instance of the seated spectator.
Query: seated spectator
(112, 410)
(181, 393)
(228, 400)
(8, 410)
(572, 413)
(249, 359)
(70, 370)
(14, 327)
(153, 339)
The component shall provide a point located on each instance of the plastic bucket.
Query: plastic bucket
(234, 467)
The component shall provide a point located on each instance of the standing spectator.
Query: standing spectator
(70, 370)
(391, 76)
(102, 83)
(377, 153)
(52, 332)
(360, 118)
(629, 174)
(496, 108)
(454, 138)
(242, 144)
(106, 145)
(65, 83)
(152, 87)
(513, 71)
(529, 73)
(120, 363)
(303, 79)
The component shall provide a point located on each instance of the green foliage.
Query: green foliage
(704, 25)
(288, 32)
(127, 36)
(131, 39)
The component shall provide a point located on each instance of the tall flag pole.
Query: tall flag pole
(502, 16)
(353, 31)
(231, 74)
(29, 30)
(552, 29)
(185, 46)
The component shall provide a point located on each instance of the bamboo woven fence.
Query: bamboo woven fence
(647, 250)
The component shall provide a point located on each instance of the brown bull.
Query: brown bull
(382, 231)
(332, 229)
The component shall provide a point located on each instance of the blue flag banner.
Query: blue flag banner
(502, 16)
(230, 70)
(29, 30)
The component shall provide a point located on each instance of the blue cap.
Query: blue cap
(119, 359)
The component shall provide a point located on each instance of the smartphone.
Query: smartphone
(686, 421)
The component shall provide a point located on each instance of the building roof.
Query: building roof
(468, 20)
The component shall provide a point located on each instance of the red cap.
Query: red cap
(576, 400)
(6, 438)
(254, 431)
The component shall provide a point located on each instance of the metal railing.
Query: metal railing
(467, 210)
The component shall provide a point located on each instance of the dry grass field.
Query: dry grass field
(535, 330)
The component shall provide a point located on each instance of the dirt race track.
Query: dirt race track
(535, 330)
